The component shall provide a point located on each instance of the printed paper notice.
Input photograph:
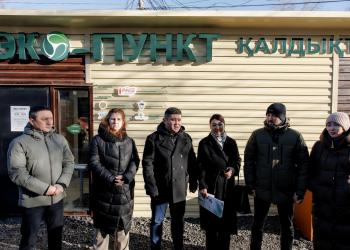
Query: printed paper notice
(19, 118)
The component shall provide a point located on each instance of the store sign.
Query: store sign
(55, 46)
(175, 47)
(74, 129)
(157, 44)
(126, 91)
(294, 46)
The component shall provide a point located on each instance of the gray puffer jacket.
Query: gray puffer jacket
(37, 160)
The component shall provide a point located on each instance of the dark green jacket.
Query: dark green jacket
(275, 164)
(35, 161)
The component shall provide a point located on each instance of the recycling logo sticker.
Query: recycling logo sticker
(55, 46)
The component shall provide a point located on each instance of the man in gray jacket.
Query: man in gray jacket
(41, 164)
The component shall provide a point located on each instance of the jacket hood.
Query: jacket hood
(107, 136)
(281, 127)
(36, 134)
(164, 131)
(335, 143)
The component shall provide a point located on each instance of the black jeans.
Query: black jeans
(217, 240)
(31, 220)
(285, 212)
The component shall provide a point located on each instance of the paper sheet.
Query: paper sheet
(212, 204)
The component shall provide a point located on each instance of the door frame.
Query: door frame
(55, 104)
(54, 97)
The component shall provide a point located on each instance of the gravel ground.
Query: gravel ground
(78, 234)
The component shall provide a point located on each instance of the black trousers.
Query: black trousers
(285, 212)
(217, 240)
(31, 221)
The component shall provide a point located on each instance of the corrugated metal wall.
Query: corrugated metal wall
(344, 85)
(235, 85)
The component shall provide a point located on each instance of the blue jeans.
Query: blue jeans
(177, 212)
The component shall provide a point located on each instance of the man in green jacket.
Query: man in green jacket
(275, 170)
(41, 164)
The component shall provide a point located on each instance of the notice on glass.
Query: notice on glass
(19, 118)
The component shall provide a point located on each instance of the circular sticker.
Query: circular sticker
(102, 105)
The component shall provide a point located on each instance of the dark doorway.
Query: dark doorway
(14, 97)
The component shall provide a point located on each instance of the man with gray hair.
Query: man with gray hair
(169, 163)
(41, 164)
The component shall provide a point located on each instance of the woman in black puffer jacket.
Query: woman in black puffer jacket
(329, 178)
(113, 162)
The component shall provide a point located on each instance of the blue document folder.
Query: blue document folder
(212, 204)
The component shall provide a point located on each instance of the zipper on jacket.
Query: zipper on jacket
(48, 152)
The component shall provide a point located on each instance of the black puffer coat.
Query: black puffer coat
(328, 174)
(110, 156)
(212, 163)
(275, 164)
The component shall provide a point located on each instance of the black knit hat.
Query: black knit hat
(278, 109)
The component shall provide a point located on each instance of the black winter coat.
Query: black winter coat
(212, 163)
(328, 174)
(169, 167)
(110, 156)
(276, 163)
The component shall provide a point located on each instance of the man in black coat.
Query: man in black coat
(275, 169)
(169, 164)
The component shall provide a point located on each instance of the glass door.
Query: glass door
(73, 114)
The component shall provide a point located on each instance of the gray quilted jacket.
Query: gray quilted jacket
(37, 160)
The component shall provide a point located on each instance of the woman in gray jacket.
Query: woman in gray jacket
(113, 161)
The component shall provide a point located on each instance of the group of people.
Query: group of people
(277, 170)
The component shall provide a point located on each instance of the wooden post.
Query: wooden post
(141, 5)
